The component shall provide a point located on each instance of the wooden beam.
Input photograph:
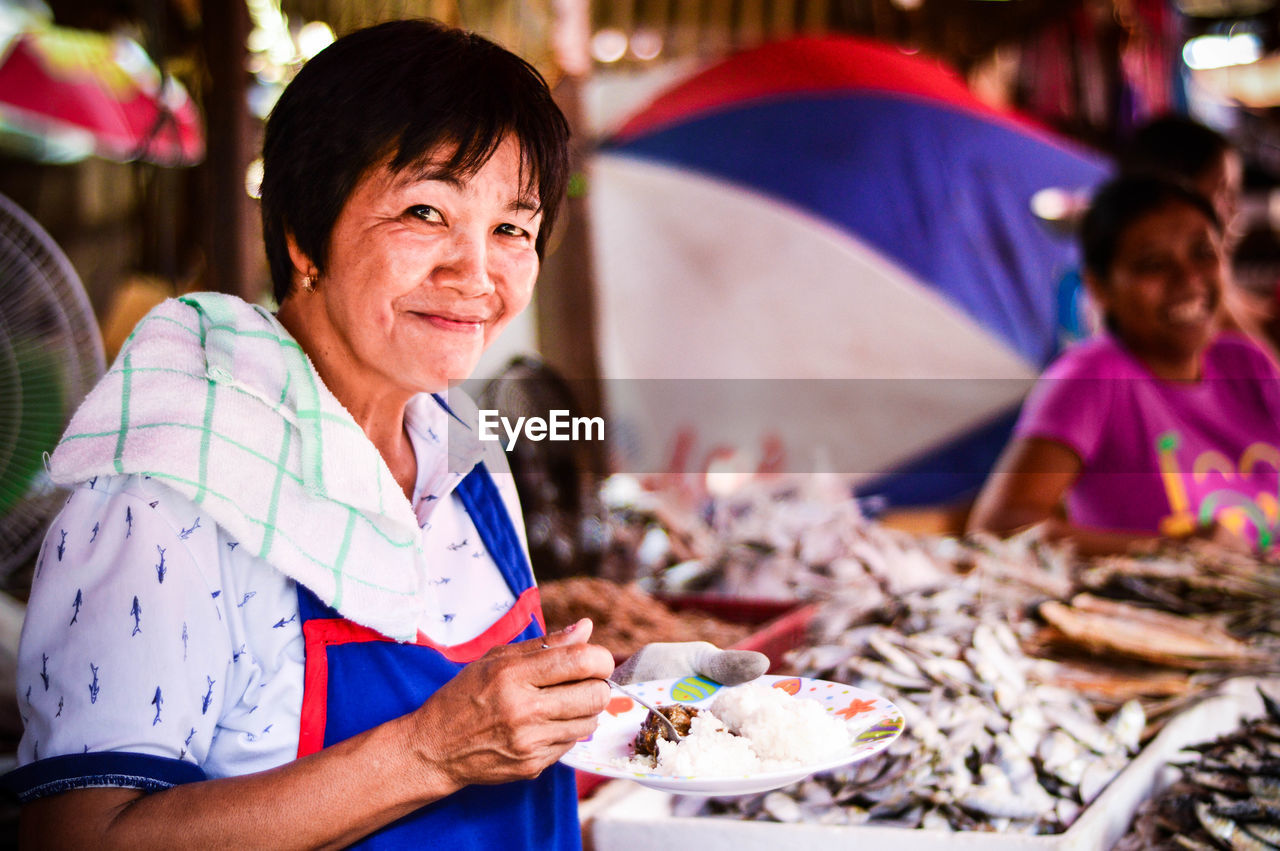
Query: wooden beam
(231, 233)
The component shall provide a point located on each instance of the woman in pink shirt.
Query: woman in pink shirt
(1165, 426)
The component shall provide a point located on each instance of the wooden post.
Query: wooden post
(230, 233)
(566, 304)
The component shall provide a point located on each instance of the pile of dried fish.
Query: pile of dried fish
(1228, 798)
(793, 541)
(1241, 593)
(989, 745)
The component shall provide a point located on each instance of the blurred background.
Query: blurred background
(861, 210)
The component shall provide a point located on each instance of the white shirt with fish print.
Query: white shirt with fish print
(150, 631)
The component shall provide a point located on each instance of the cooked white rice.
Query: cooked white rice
(774, 731)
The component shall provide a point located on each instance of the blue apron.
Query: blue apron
(357, 678)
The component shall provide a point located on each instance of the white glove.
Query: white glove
(668, 660)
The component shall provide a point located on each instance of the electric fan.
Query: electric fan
(50, 356)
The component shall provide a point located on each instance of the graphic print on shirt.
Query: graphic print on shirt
(208, 695)
(128, 521)
(44, 670)
(453, 548)
(1218, 490)
(157, 702)
(160, 568)
(94, 536)
(184, 641)
(186, 533)
(280, 624)
(93, 685)
(62, 545)
(76, 605)
(59, 715)
(136, 611)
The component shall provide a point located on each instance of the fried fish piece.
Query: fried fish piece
(652, 729)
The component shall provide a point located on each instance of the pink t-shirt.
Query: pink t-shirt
(1164, 456)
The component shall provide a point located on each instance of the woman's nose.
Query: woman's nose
(465, 266)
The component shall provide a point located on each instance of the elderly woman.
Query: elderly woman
(1163, 428)
(288, 602)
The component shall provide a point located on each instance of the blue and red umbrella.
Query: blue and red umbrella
(832, 208)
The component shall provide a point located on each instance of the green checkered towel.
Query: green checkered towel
(212, 396)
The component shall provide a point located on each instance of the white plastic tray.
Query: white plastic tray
(639, 819)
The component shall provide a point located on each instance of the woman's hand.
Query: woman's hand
(516, 710)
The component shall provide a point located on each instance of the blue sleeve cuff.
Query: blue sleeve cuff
(58, 774)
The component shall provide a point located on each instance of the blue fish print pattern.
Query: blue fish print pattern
(231, 545)
(435, 438)
(94, 688)
(93, 482)
(128, 521)
(59, 715)
(208, 697)
(190, 736)
(236, 654)
(28, 694)
(184, 641)
(153, 503)
(216, 593)
(62, 544)
(448, 618)
(186, 533)
(280, 624)
(76, 605)
(94, 536)
(161, 570)
(247, 597)
(453, 548)
(136, 611)
(443, 580)
(157, 702)
(44, 669)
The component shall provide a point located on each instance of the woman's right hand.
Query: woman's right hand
(516, 710)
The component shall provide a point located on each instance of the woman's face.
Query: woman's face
(1164, 287)
(424, 270)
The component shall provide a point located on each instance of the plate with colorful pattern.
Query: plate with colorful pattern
(873, 723)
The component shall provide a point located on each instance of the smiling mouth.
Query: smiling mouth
(447, 322)
(1189, 312)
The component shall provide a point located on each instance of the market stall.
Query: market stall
(1043, 694)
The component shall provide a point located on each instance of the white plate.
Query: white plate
(872, 720)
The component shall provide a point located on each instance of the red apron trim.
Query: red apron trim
(319, 634)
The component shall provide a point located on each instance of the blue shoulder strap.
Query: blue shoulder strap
(483, 502)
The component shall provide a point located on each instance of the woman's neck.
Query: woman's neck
(1184, 368)
(379, 410)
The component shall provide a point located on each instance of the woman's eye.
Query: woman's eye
(425, 212)
(511, 230)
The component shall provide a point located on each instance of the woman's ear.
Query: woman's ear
(301, 262)
(1098, 291)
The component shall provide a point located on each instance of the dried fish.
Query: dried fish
(1225, 799)
(987, 745)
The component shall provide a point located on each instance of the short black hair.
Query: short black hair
(1175, 147)
(1121, 202)
(395, 92)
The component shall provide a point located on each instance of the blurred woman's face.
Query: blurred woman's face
(1164, 288)
(424, 270)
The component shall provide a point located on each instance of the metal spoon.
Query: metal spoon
(647, 705)
(640, 700)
